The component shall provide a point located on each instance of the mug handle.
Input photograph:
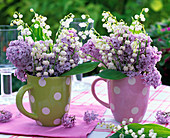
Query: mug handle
(19, 104)
(94, 92)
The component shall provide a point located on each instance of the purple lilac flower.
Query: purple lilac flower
(89, 49)
(19, 54)
(163, 117)
(88, 117)
(5, 116)
(68, 121)
(135, 58)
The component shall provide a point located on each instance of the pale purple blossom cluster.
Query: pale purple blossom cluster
(19, 53)
(34, 52)
(126, 49)
(68, 121)
(5, 116)
(163, 117)
(62, 57)
(88, 117)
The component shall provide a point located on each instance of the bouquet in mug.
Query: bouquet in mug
(35, 53)
(127, 51)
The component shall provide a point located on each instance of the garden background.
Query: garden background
(157, 22)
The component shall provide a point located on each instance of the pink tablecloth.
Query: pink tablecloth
(21, 125)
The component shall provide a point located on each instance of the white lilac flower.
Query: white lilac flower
(42, 24)
(15, 16)
(36, 15)
(126, 127)
(142, 19)
(132, 27)
(130, 131)
(142, 136)
(140, 132)
(45, 73)
(83, 16)
(28, 33)
(23, 32)
(80, 33)
(20, 37)
(146, 10)
(126, 132)
(118, 127)
(20, 27)
(71, 61)
(33, 20)
(39, 68)
(82, 25)
(136, 16)
(44, 19)
(73, 65)
(11, 24)
(38, 74)
(130, 120)
(133, 134)
(51, 71)
(20, 16)
(120, 38)
(63, 53)
(36, 26)
(49, 33)
(47, 27)
(46, 62)
(90, 20)
(119, 52)
(84, 37)
(31, 10)
(122, 47)
(127, 42)
(125, 68)
(134, 55)
(86, 32)
(44, 31)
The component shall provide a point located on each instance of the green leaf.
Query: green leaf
(82, 68)
(112, 74)
(160, 130)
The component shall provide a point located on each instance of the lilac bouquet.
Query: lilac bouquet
(35, 53)
(127, 51)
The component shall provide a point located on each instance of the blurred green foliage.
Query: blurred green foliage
(160, 34)
(55, 10)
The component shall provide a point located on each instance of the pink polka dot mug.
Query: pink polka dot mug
(49, 99)
(128, 98)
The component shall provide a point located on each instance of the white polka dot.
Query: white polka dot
(112, 106)
(39, 123)
(46, 110)
(42, 82)
(56, 121)
(131, 81)
(32, 99)
(144, 91)
(140, 119)
(116, 90)
(57, 96)
(134, 110)
(67, 108)
(68, 81)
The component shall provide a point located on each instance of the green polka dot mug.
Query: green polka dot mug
(49, 99)
(128, 98)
